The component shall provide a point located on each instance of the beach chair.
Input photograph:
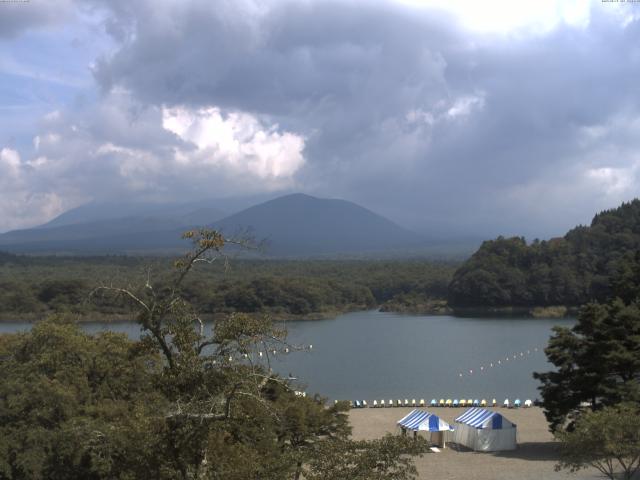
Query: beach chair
(406, 402)
(506, 403)
(463, 403)
(434, 402)
(422, 402)
(364, 404)
(375, 404)
(476, 403)
(441, 402)
(356, 404)
(455, 403)
(469, 402)
(413, 402)
(517, 403)
(390, 404)
(483, 403)
(527, 403)
(449, 402)
(382, 405)
(399, 403)
(494, 402)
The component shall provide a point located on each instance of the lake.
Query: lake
(374, 355)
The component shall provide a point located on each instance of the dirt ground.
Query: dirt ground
(534, 459)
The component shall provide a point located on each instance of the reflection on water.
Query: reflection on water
(375, 355)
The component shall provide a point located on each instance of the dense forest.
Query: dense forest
(33, 287)
(571, 270)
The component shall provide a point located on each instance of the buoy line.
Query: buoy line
(500, 362)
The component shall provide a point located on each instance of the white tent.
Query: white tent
(485, 431)
(420, 420)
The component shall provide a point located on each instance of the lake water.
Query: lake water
(374, 355)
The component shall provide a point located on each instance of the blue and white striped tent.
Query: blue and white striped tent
(485, 430)
(419, 420)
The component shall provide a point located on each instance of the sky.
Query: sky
(466, 118)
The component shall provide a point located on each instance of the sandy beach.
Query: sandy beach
(534, 458)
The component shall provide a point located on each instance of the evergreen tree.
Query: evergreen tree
(598, 360)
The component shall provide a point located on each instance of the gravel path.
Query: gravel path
(534, 459)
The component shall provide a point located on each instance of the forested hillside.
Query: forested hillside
(33, 287)
(571, 270)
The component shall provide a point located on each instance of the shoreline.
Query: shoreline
(436, 310)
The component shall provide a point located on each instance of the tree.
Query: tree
(598, 360)
(572, 270)
(382, 459)
(185, 402)
(76, 406)
(608, 440)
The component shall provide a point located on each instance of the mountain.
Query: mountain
(292, 225)
(572, 270)
(301, 225)
(112, 228)
(177, 213)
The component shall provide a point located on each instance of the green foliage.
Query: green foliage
(383, 459)
(572, 270)
(75, 406)
(608, 440)
(181, 403)
(37, 286)
(598, 360)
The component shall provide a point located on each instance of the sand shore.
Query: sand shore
(533, 460)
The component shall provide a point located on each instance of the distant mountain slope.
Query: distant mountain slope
(299, 224)
(562, 271)
(104, 228)
(293, 225)
(181, 213)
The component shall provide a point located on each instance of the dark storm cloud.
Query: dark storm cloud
(401, 109)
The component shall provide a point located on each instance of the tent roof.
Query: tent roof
(421, 420)
(481, 418)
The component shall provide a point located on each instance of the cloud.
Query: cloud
(238, 141)
(117, 148)
(527, 125)
(507, 17)
(18, 17)
(17, 201)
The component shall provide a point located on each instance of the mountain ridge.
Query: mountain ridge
(357, 228)
(294, 225)
(570, 270)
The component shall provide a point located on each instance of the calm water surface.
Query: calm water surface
(374, 355)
